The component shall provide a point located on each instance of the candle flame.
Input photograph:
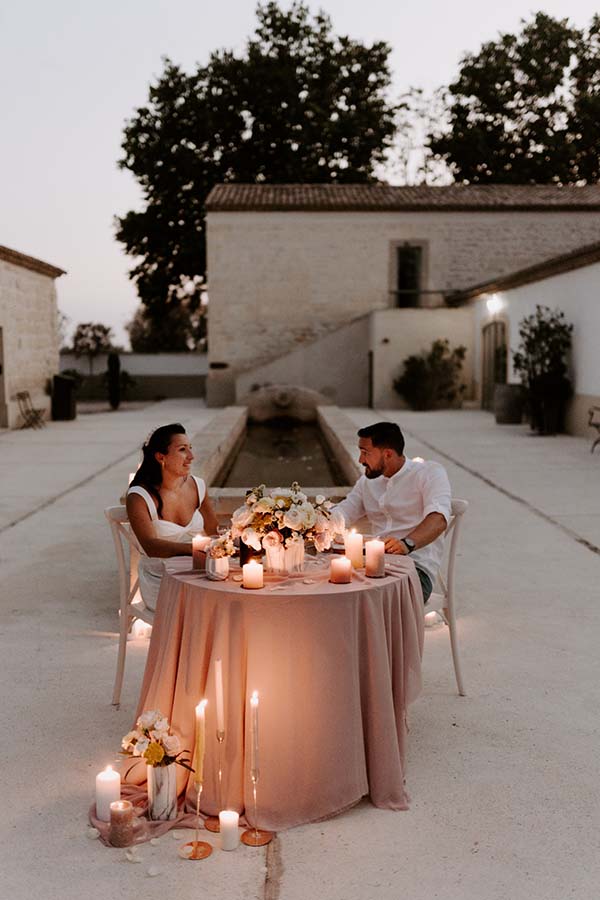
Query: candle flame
(201, 707)
(108, 769)
(254, 698)
(353, 531)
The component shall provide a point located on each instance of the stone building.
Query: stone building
(29, 340)
(332, 286)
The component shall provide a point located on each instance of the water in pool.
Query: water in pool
(279, 452)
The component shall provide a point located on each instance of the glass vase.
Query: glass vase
(285, 560)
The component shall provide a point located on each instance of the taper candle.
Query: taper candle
(254, 734)
(198, 763)
(219, 693)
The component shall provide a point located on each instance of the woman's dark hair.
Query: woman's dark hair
(149, 474)
(384, 434)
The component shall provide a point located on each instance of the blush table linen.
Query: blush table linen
(335, 667)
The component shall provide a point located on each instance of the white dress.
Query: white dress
(151, 569)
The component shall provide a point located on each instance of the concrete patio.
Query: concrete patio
(503, 781)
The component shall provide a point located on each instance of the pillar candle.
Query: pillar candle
(219, 692)
(254, 735)
(198, 762)
(353, 548)
(228, 826)
(252, 575)
(120, 833)
(340, 570)
(200, 544)
(375, 558)
(108, 789)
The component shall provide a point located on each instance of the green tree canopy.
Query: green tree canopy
(301, 104)
(526, 108)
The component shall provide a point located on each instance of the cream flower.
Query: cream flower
(172, 745)
(251, 537)
(309, 515)
(242, 516)
(148, 719)
(272, 539)
(264, 505)
(322, 541)
(141, 746)
(294, 518)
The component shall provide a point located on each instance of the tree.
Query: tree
(90, 339)
(182, 326)
(301, 104)
(525, 109)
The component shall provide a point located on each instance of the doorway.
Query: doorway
(494, 361)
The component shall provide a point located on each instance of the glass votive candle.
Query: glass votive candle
(120, 832)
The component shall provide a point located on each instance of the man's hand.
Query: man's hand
(393, 545)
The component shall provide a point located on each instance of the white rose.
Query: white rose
(129, 738)
(322, 541)
(337, 522)
(148, 719)
(251, 538)
(319, 499)
(242, 516)
(308, 513)
(293, 518)
(141, 746)
(321, 522)
(271, 539)
(171, 744)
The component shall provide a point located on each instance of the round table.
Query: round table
(335, 667)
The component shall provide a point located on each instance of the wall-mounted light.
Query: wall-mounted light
(494, 304)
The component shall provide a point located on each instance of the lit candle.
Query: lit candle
(353, 548)
(340, 570)
(375, 558)
(108, 789)
(254, 735)
(252, 575)
(219, 691)
(198, 763)
(200, 544)
(228, 826)
(120, 833)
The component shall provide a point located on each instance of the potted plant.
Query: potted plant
(541, 361)
(431, 380)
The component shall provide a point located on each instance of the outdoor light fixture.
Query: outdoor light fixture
(494, 304)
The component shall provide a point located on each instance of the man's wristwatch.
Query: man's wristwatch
(409, 544)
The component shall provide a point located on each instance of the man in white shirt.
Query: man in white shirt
(407, 502)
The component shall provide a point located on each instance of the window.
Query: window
(409, 264)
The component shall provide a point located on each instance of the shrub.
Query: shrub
(432, 379)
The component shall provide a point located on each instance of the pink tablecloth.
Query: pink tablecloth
(335, 667)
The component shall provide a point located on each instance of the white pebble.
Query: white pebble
(154, 841)
(93, 833)
(153, 871)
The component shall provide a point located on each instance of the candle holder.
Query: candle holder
(256, 837)
(212, 823)
(196, 849)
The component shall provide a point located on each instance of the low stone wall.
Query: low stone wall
(147, 387)
(340, 433)
(215, 444)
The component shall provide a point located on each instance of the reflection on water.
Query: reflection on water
(282, 451)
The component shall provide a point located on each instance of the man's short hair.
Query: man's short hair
(384, 434)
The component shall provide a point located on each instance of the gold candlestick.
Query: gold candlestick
(256, 837)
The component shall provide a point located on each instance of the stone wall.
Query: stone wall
(398, 333)
(576, 294)
(28, 319)
(279, 280)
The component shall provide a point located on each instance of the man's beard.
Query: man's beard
(372, 473)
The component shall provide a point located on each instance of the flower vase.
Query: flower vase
(285, 560)
(217, 568)
(162, 792)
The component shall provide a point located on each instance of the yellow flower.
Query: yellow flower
(155, 753)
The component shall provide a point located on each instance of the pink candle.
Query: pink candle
(340, 570)
(200, 544)
(375, 558)
(252, 574)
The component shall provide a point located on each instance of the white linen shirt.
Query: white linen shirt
(396, 505)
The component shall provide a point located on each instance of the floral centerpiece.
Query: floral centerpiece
(151, 741)
(281, 520)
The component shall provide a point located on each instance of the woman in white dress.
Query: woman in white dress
(166, 505)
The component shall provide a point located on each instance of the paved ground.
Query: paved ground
(504, 781)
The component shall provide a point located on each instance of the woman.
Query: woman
(166, 505)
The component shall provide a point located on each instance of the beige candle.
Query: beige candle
(353, 548)
(219, 695)
(340, 570)
(254, 736)
(120, 832)
(108, 789)
(252, 575)
(375, 558)
(198, 762)
(200, 544)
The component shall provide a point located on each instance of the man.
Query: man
(407, 502)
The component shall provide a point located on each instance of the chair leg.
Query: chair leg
(123, 629)
(451, 620)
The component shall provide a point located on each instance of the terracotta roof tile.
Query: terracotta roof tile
(30, 262)
(383, 197)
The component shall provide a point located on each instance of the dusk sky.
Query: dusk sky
(73, 72)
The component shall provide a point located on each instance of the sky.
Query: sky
(72, 72)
